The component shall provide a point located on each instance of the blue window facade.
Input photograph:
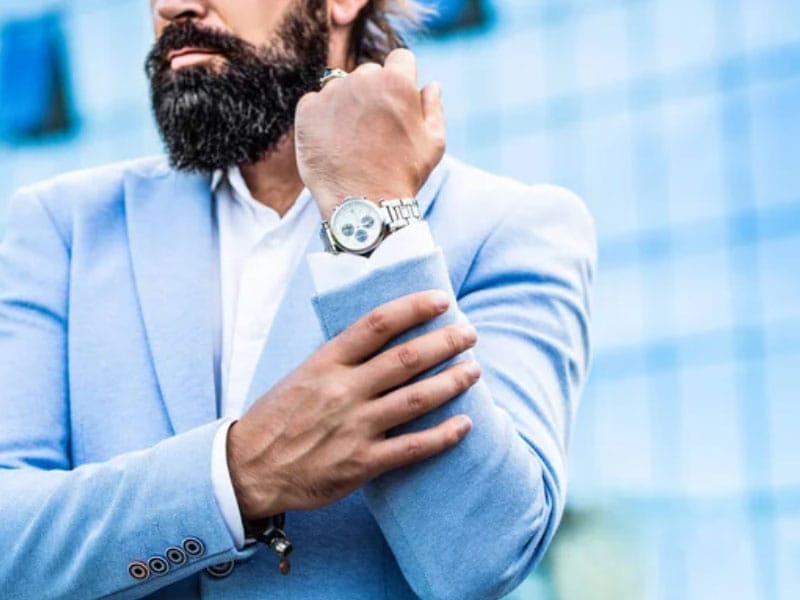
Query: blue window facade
(34, 91)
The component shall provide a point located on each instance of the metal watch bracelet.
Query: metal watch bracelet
(395, 214)
(400, 212)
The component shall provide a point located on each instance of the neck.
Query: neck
(274, 180)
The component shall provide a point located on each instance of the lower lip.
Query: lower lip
(192, 58)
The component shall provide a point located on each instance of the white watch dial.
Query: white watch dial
(357, 225)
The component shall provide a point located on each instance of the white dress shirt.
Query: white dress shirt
(258, 252)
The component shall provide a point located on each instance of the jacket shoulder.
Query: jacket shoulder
(101, 181)
(476, 188)
(487, 201)
(86, 191)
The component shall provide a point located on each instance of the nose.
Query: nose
(180, 10)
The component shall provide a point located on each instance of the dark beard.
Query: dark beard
(238, 114)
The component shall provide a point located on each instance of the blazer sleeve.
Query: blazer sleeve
(72, 532)
(473, 521)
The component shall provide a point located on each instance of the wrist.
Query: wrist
(256, 496)
(329, 199)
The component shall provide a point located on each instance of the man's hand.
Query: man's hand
(372, 133)
(319, 434)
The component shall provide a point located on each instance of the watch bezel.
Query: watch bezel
(341, 244)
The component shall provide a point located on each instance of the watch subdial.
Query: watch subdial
(357, 225)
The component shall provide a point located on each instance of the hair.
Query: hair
(381, 27)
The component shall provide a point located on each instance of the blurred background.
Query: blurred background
(678, 121)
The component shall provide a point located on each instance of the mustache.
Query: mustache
(186, 34)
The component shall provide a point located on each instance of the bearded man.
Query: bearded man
(304, 354)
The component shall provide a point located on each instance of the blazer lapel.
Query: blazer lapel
(296, 333)
(173, 250)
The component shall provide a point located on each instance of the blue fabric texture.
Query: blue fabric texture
(108, 410)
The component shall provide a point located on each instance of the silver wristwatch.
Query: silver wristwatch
(358, 225)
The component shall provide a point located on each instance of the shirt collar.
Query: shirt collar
(240, 193)
(216, 178)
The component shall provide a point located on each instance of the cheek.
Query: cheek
(254, 21)
(158, 24)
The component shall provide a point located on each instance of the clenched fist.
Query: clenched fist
(370, 134)
(320, 433)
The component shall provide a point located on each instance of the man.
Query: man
(204, 398)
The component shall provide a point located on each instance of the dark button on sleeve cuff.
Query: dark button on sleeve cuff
(220, 570)
(175, 555)
(193, 547)
(138, 570)
(158, 565)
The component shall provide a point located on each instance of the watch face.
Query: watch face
(357, 225)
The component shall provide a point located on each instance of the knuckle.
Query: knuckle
(357, 464)
(337, 390)
(413, 450)
(423, 307)
(453, 340)
(378, 322)
(366, 68)
(416, 400)
(451, 438)
(397, 52)
(461, 379)
(396, 80)
(408, 357)
(362, 459)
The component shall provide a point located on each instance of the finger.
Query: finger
(331, 85)
(375, 329)
(414, 447)
(403, 62)
(421, 397)
(366, 69)
(397, 365)
(432, 108)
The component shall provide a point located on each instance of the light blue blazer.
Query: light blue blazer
(109, 315)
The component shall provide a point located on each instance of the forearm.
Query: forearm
(489, 496)
(75, 533)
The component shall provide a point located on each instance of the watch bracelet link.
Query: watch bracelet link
(400, 212)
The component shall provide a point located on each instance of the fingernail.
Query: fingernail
(440, 300)
(469, 333)
(464, 425)
(472, 368)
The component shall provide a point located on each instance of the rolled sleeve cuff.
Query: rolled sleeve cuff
(330, 271)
